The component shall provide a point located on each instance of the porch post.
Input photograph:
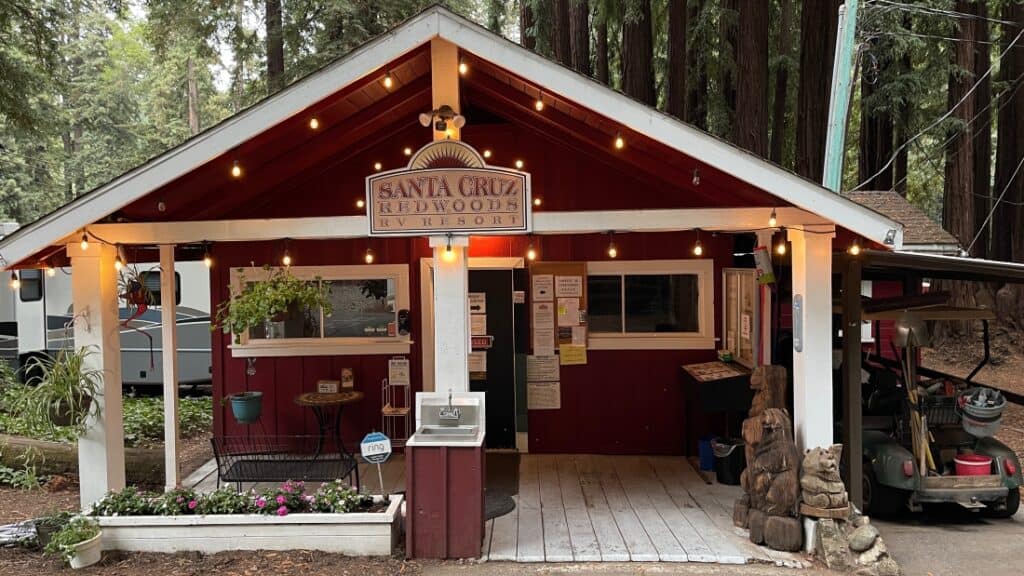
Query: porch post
(169, 359)
(812, 350)
(94, 294)
(764, 238)
(451, 313)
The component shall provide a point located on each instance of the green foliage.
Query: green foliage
(64, 384)
(256, 302)
(144, 419)
(177, 502)
(225, 500)
(127, 502)
(337, 497)
(76, 531)
(24, 478)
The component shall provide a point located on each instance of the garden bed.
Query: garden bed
(351, 533)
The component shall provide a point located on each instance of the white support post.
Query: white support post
(812, 337)
(94, 293)
(764, 238)
(169, 358)
(451, 313)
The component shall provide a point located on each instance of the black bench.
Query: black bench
(280, 458)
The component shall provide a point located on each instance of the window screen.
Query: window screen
(644, 303)
(31, 285)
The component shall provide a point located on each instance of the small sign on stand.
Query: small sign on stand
(376, 449)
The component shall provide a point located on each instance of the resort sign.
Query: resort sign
(448, 189)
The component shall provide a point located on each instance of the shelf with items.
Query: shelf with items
(396, 402)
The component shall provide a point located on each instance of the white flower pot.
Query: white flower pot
(87, 553)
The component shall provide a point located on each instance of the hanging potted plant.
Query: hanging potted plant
(65, 386)
(78, 542)
(246, 406)
(255, 303)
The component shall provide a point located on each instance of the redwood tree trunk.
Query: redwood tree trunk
(638, 55)
(728, 30)
(817, 46)
(579, 35)
(696, 64)
(958, 201)
(527, 33)
(677, 57)
(560, 43)
(194, 126)
(275, 47)
(601, 48)
(781, 84)
(1007, 238)
(902, 121)
(983, 130)
(876, 126)
(752, 78)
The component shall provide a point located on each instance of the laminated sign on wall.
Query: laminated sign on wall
(559, 291)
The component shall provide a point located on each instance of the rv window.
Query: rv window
(152, 280)
(31, 285)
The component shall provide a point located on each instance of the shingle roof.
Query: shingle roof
(918, 227)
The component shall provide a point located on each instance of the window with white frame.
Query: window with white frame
(651, 304)
(365, 298)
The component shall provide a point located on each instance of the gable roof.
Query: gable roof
(918, 227)
(439, 22)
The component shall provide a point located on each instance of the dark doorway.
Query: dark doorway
(498, 381)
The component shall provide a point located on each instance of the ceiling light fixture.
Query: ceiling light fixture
(287, 258)
(207, 259)
(314, 123)
(519, 164)
(487, 153)
(613, 251)
(407, 151)
(85, 241)
(15, 281)
(698, 248)
(369, 256)
(619, 142)
(463, 67)
(854, 249)
(388, 82)
(772, 220)
(236, 169)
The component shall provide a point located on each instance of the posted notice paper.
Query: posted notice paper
(478, 324)
(544, 329)
(478, 361)
(572, 354)
(569, 286)
(542, 368)
(543, 395)
(543, 288)
(568, 311)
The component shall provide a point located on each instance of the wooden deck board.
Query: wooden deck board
(581, 530)
(641, 549)
(557, 544)
(697, 550)
(530, 538)
(504, 536)
(638, 489)
(609, 539)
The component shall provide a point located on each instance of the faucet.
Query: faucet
(451, 412)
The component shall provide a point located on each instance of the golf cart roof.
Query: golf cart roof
(932, 313)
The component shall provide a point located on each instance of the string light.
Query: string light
(698, 248)
(519, 164)
(50, 270)
(314, 123)
(538, 105)
(854, 249)
(118, 261)
(369, 256)
(487, 153)
(780, 249)
(85, 242)
(378, 166)
(619, 142)
(463, 67)
(772, 220)
(388, 82)
(531, 252)
(15, 281)
(537, 201)
(448, 255)
(286, 259)
(613, 252)
(207, 259)
(407, 151)
(696, 177)
(360, 203)
(236, 170)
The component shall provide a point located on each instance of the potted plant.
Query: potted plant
(65, 388)
(78, 542)
(246, 406)
(49, 525)
(254, 303)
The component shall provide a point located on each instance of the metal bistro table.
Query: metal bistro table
(323, 404)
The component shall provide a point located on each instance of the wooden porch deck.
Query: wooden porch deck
(584, 508)
(581, 508)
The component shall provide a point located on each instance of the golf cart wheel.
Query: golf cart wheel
(881, 500)
(1004, 509)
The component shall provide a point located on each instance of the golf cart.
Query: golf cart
(928, 435)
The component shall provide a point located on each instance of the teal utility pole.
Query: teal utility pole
(839, 103)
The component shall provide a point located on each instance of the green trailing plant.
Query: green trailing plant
(127, 502)
(65, 389)
(177, 502)
(77, 530)
(337, 497)
(258, 301)
(225, 500)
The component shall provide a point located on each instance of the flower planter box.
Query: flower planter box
(354, 533)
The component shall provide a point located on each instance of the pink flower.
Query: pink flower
(282, 511)
(280, 499)
(179, 499)
(260, 502)
(192, 504)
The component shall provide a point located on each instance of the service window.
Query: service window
(31, 289)
(655, 304)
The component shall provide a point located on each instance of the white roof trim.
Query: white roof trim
(434, 22)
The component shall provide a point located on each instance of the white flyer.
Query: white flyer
(568, 286)
(477, 302)
(543, 395)
(544, 329)
(398, 371)
(478, 324)
(579, 335)
(477, 362)
(542, 368)
(568, 311)
(543, 288)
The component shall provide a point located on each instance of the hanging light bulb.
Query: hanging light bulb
(538, 105)
(314, 123)
(15, 281)
(780, 249)
(207, 259)
(388, 82)
(519, 164)
(236, 170)
(531, 252)
(378, 166)
(613, 252)
(407, 151)
(696, 177)
(487, 153)
(463, 67)
(368, 257)
(537, 201)
(85, 242)
(772, 220)
(360, 203)
(118, 262)
(619, 142)
(50, 270)
(286, 259)
(854, 249)
(698, 248)
(448, 255)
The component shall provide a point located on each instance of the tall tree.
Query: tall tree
(779, 99)
(527, 30)
(1007, 237)
(817, 46)
(752, 76)
(638, 52)
(904, 110)
(958, 197)
(579, 35)
(496, 14)
(275, 46)
(677, 59)
(983, 128)
(560, 32)
(697, 66)
(876, 125)
(728, 31)
(601, 42)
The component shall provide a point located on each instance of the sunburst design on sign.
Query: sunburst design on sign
(446, 154)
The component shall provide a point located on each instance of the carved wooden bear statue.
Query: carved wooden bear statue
(771, 482)
(822, 486)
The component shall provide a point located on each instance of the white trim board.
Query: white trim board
(432, 23)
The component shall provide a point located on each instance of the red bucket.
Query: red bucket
(973, 465)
